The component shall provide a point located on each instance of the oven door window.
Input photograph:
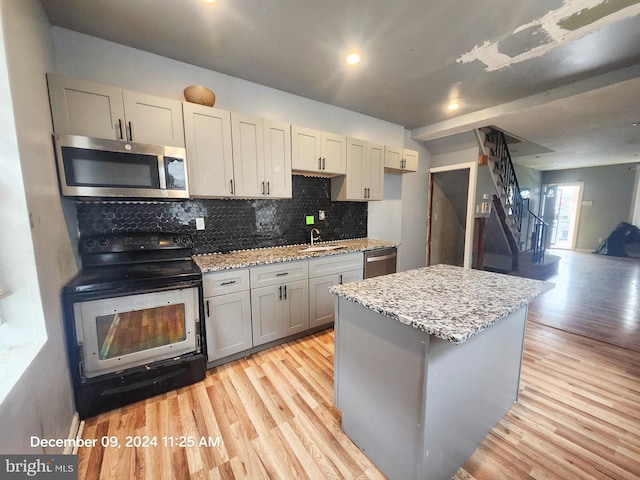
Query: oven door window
(97, 168)
(135, 330)
(124, 333)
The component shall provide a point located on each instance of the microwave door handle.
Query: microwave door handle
(161, 172)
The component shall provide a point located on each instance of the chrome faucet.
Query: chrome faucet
(315, 239)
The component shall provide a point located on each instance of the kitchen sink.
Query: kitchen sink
(322, 248)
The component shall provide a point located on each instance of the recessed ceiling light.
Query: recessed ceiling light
(209, 1)
(353, 58)
(453, 105)
(635, 124)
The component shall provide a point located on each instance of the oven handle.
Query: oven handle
(124, 291)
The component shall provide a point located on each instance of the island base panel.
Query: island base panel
(416, 405)
(378, 379)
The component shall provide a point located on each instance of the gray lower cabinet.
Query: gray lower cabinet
(227, 305)
(249, 307)
(280, 305)
(327, 271)
(279, 311)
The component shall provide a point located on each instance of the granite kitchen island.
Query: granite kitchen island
(427, 361)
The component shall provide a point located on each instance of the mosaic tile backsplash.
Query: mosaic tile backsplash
(233, 224)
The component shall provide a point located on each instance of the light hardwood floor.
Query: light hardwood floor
(596, 296)
(578, 416)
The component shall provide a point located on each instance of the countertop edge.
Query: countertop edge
(450, 330)
(282, 254)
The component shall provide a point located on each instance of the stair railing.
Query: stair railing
(507, 175)
(538, 239)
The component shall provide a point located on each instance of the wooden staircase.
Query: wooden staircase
(510, 210)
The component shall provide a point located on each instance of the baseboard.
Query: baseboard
(75, 433)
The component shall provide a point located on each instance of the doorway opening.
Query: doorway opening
(451, 214)
(561, 210)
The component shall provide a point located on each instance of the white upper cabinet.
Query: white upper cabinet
(248, 155)
(84, 108)
(364, 180)
(153, 120)
(375, 178)
(410, 159)
(400, 160)
(318, 152)
(210, 160)
(234, 155)
(277, 158)
(95, 110)
(261, 157)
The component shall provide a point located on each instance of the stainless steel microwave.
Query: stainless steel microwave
(95, 167)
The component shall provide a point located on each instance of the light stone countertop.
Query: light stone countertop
(451, 303)
(264, 256)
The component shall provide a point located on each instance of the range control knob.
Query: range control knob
(103, 242)
(175, 239)
(89, 243)
(186, 240)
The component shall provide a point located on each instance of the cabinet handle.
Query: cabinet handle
(285, 292)
(319, 163)
(231, 186)
(120, 137)
(263, 187)
(280, 292)
(324, 163)
(231, 282)
(282, 274)
(340, 279)
(268, 188)
(208, 309)
(129, 132)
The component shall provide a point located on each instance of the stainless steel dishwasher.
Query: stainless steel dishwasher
(380, 262)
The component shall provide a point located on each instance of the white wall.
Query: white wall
(36, 249)
(415, 208)
(82, 56)
(452, 158)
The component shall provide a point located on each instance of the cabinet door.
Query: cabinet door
(228, 324)
(410, 160)
(351, 276)
(209, 155)
(306, 149)
(321, 302)
(374, 180)
(153, 120)
(357, 153)
(85, 108)
(266, 314)
(248, 155)
(393, 157)
(334, 153)
(277, 158)
(295, 317)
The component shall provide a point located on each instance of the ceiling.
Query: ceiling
(563, 76)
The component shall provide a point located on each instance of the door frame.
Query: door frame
(580, 185)
(471, 200)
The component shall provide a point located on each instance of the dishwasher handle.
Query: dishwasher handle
(381, 258)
